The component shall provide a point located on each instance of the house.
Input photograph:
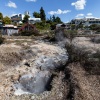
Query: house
(61, 26)
(34, 20)
(87, 21)
(17, 18)
(1, 25)
(27, 27)
(9, 30)
(91, 20)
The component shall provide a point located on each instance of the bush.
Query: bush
(95, 27)
(15, 34)
(70, 34)
(50, 35)
(1, 39)
(29, 33)
(42, 26)
(96, 39)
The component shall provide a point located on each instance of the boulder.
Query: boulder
(30, 83)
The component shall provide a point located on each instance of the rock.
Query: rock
(30, 83)
(51, 63)
(33, 97)
(50, 58)
(36, 68)
(15, 77)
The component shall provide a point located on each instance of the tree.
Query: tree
(6, 20)
(53, 18)
(42, 14)
(72, 22)
(36, 15)
(58, 20)
(80, 25)
(26, 17)
(1, 16)
(50, 18)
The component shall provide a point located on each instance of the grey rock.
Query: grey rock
(51, 63)
(30, 83)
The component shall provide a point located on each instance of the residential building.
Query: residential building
(9, 29)
(27, 13)
(34, 20)
(17, 19)
(27, 27)
(1, 24)
(87, 21)
(92, 20)
(61, 26)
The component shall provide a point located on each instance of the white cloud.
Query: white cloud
(59, 11)
(11, 4)
(79, 5)
(89, 14)
(13, 14)
(79, 15)
(31, 0)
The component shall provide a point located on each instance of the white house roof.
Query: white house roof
(8, 25)
(78, 18)
(20, 22)
(90, 17)
(34, 19)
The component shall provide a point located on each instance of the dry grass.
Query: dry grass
(85, 86)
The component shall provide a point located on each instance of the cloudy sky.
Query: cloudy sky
(65, 9)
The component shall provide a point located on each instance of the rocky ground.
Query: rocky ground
(27, 68)
(31, 69)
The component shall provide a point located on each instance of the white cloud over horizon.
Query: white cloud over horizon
(79, 4)
(79, 15)
(89, 14)
(31, 0)
(59, 11)
(84, 15)
(11, 4)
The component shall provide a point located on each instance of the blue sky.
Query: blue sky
(65, 9)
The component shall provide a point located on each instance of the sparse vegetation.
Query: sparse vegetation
(96, 39)
(29, 33)
(95, 27)
(1, 39)
(70, 34)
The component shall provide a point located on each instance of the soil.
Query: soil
(72, 82)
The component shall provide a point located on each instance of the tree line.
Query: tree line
(5, 20)
(46, 23)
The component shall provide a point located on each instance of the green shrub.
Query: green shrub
(42, 26)
(29, 33)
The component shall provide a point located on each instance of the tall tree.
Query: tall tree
(58, 20)
(36, 15)
(1, 16)
(26, 17)
(50, 18)
(42, 14)
(53, 18)
(6, 20)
